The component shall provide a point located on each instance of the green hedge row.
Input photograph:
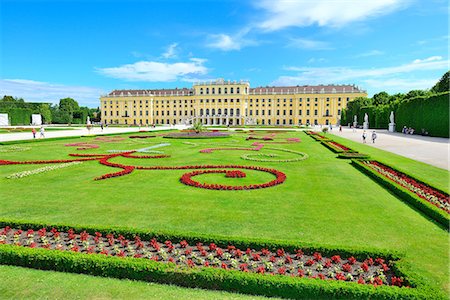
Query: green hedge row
(211, 278)
(18, 116)
(431, 114)
(207, 278)
(431, 211)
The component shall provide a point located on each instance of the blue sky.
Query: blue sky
(83, 49)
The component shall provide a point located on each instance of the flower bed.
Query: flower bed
(353, 155)
(376, 271)
(41, 170)
(141, 136)
(270, 157)
(194, 135)
(317, 136)
(336, 147)
(109, 139)
(82, 146)
(437, 198)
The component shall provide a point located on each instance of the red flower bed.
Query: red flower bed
(337, 145)
(109, 139)
(279, 262)
(235, 174)
(82, 146)
(437, 198)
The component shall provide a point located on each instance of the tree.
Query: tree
(415, 93)
(44, 111)
(442, 85)
(381, 98)
(198, 127)
(68, 106)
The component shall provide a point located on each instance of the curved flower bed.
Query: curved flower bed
(41, 170)
(268, 157)
(376, 271)
(317, 136)
(82, 146)
(437, 198)
(187, 179)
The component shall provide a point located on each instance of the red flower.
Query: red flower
(351, 260)
(336, 259)
(347, 268)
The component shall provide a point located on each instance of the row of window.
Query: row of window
(219, 90)
(219, 122)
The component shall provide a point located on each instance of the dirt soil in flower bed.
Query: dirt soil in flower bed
(196, 135)
(374, 271)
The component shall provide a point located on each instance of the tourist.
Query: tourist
(101, 126)
(364, 136)
(33, 131)
(374, 136)
(42, 131)
(404, 130)
(340, 128)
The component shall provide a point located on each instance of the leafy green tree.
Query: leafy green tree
(381, 98)
(416, 93)
(443, 85)
(44, 111)
(68, 106)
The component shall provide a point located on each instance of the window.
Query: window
(262, 112)
(256, 112)
(207, 91)
(231, 90)
(269, 112)
(237, 90)
(278, 112)
(134, 113)
(315, 112)
(213, 91)
(307, 112)
(225, 90)
(251, 112)
(290, 112)
(327, 113)
(300, 112)
(219, 90)
(339, 112)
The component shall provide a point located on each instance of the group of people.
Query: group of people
(374, 136)
(41, 131)
(407, 130)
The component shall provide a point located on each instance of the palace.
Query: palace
(223, 102)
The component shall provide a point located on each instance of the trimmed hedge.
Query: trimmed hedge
(210, 278)
(431, 211)
(430, 113)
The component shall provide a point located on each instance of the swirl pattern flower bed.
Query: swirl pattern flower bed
(376, 271)
(436, 198)
(41, 170)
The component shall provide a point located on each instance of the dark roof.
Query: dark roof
(345, 88)
(175, 91)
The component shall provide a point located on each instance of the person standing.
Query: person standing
(340, 128)
(33, 131)
(101, 126)
(42, 131)
(364, 136)
(374, 136)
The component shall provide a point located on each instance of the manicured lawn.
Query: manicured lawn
(324, 200)
(21, 283)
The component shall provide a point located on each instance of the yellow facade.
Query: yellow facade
(229, 103)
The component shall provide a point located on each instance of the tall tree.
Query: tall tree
(67, 107)
(443, 85)
(380, 99)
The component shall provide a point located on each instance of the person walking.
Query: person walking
(101, 126)
(374, 136)
(364, 136)
(340, 128)
(42, 131)
(33, 131)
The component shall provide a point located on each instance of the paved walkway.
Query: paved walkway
(75, 131)
(430, 150)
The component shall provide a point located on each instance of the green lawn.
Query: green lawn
(324, 200)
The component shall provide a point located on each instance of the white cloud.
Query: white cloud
(332, 13)
(38, 91)
(370, 53)
(308, 44)
(171, 51)
(152, 71)
(227, 42)
(316, 75)
(224, 42)
(431, 58)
